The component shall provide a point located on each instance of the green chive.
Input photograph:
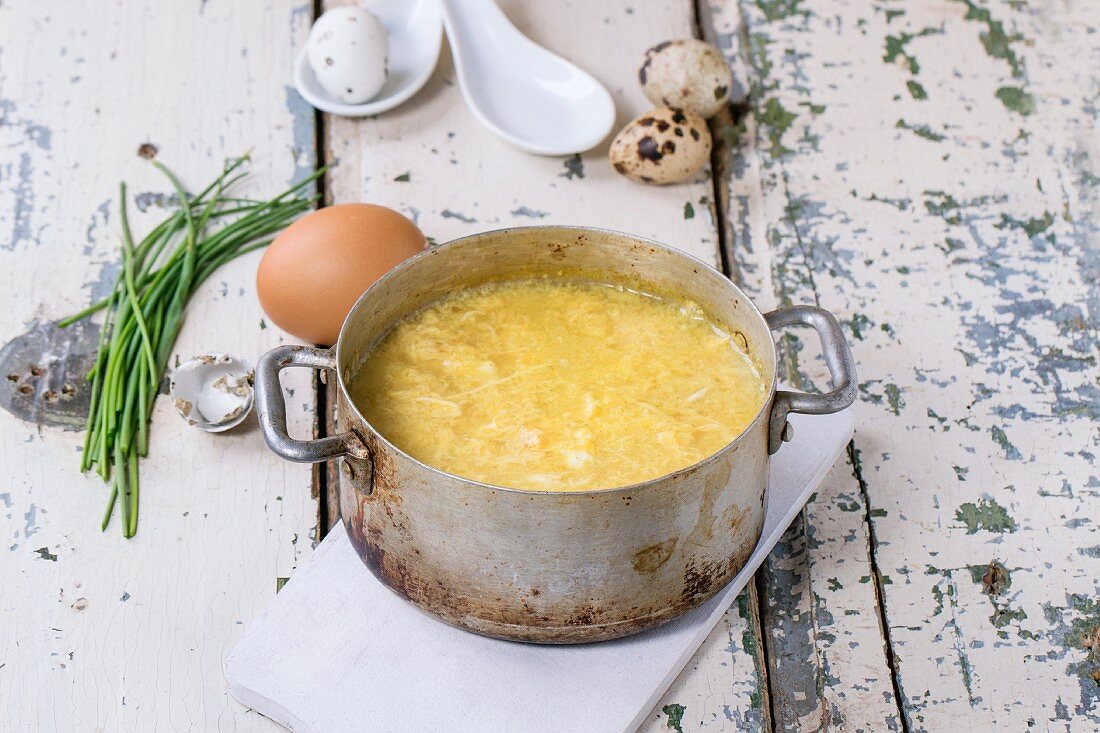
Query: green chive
(145, 312)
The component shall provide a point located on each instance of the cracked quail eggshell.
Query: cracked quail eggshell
(212, 392)
(686, 74)
(348, 50)
(662, 146)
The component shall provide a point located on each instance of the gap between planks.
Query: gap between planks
(326, 477)
(720, 171)
(876, 574)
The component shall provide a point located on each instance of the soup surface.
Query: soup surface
(552, 385)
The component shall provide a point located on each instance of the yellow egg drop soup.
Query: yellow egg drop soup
(560, 386)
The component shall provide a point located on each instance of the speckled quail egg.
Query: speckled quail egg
(662, 146)
(686, 74)
(349, 51)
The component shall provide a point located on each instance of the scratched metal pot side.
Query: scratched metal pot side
(542, 566)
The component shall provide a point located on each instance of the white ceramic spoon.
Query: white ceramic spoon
(528, 96)
(416, 33)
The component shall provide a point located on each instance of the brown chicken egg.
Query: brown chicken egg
(315, 270)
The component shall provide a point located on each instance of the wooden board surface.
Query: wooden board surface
(96, 632)
(927, 171)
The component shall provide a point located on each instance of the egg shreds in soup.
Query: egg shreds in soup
(560, 386)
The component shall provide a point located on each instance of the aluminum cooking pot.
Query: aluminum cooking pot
(545, 566)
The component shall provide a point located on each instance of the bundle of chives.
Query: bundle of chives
(145, 309)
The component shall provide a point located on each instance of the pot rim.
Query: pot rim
(761, 415)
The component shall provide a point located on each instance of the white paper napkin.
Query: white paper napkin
(337, 651)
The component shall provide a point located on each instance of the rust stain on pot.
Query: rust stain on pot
(742, 341)
(701, 580)
(714, 486)
(648, 559)
(558, 249)
(734, 515)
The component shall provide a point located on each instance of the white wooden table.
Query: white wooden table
(926, 170)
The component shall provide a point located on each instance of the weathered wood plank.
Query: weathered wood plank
(431, 160)
(707, 696)
(928, 171)
(826, 666)
(98, 633)
(826, 662)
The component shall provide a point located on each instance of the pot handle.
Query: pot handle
(271, 408)
(842, 370)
